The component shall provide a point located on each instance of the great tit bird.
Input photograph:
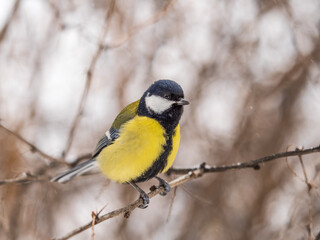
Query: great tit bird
(142, 142)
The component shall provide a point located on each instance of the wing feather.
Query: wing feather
(124, 116)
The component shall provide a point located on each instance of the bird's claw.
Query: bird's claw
(145, 199)
(165, 186)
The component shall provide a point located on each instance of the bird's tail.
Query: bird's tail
(78, 170)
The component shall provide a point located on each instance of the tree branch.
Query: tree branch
(32, 146)
(255, 164)
(190, 173)
(128, 209)
(25, 178)
(9, 21)
(153, 20)
(310, 208)
(101, 46)
(89, 80)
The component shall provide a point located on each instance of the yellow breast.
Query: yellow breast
(140, 143)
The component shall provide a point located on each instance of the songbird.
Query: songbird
(142, 142)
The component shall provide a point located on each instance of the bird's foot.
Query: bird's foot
(165, 185)
(145, 198)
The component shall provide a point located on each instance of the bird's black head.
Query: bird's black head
(163, 101)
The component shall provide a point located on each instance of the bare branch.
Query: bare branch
(24, 178)
(255, 164)
(154, 19)
(32, 146)
(190, 173)
(310, 209)
(128, 209)
(11, 17)
(57, 14)
(88, 80)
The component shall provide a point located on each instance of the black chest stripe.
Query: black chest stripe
(161, 161)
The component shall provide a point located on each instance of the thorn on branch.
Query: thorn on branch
(95, 216)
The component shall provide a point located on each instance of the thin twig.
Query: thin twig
(210, 169)
(57, 14)
(9, 20)
(309, 188)
(154, 19)
(32, 146)
(52, 159)
(128, 209)
(196, 197)
(89, 80)
(291, 169)
(255, 164)
(24, 178)
(171, 203)
(93, 222)
(95, 216)
(190, 173)
(294, 172)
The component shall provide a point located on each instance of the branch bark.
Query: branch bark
(129, 208)
(255, 164)
(189, 174)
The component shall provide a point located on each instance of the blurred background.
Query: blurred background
(250, 69)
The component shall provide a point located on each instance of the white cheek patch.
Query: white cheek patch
(158, 104)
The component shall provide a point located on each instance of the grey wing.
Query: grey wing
(124, 116)
(106, 140)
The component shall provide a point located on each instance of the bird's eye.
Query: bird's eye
(166, 96)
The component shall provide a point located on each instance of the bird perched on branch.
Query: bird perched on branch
(142, 142)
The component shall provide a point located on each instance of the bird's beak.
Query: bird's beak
(182, 101)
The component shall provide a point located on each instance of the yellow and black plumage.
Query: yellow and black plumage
(143, 140)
